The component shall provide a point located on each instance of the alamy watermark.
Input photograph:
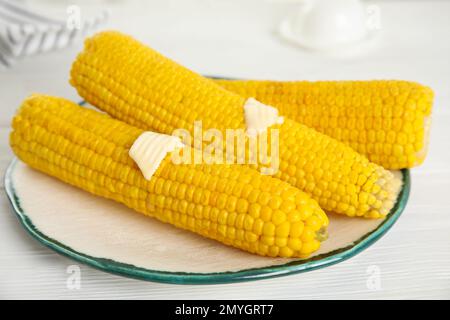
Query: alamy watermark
(73, 281)
(232, 146)
(373, 281)
(73, 21)
(373, 21)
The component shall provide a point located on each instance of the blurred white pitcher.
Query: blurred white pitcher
(327, 24)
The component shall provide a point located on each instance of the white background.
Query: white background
(238, 38)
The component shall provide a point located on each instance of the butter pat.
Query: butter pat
(259, 117)
(150, 149)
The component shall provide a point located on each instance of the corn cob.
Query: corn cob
(388, 121)
(137, 85)
(229, 203)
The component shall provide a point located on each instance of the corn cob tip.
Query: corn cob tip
(322, 234)
(421, 154)
(389, 185)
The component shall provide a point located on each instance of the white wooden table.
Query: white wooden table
(238, 38)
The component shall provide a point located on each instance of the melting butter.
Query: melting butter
(259, 117)
(150, 148)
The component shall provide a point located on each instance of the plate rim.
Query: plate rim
(131, 271)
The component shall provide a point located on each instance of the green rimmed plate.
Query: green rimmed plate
(115, 239)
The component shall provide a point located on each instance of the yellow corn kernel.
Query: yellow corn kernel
(309, 247)
(266, 213)
(282, 230)
(308, 235)
(295, 244)
(269, 229)
(314, 223)
(297, 229)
